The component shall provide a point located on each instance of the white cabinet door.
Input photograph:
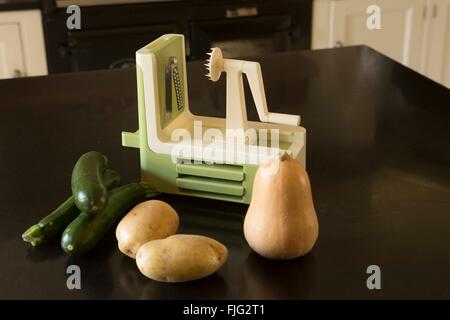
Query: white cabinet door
(11, 56)
(437, 61)
(400, 36)
(22, 47)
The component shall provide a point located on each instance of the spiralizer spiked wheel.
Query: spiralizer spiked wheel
(214, 64)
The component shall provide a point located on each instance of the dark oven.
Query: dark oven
(112, 30)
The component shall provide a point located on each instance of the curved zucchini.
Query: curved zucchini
(55, 223)
(86, 230)
(88, 190)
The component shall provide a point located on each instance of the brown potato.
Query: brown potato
(149, 220)
(181, 258)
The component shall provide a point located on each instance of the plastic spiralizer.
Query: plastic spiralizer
(221, 164)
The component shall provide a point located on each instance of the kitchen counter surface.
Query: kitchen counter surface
(378, 158)
(9, 5)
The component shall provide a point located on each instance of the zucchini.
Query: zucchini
(88, 190)
(55, 223)
(86, 230)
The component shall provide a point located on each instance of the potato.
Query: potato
(147, 221)
(181, 258)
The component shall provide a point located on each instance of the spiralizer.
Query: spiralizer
(187, 154)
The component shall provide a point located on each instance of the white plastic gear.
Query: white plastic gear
(214, 64)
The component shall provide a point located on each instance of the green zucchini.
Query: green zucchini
(55, 223)
(88, 190)
(86, 230)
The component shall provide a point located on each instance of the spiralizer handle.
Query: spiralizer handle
(254, 76)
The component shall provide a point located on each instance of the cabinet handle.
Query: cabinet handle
(18, 73)
(123, 64)
(434, 11)
(338, 44)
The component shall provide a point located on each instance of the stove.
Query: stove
(87, 3)
(112, 30)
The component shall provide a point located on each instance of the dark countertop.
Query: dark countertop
(9, 5)
(378, 158)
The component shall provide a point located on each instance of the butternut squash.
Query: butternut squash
(281, 222)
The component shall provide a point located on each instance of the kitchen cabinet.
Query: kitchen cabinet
(401, 30)
(22, 48)
(415, 33)
(11, 58)
(437, 58)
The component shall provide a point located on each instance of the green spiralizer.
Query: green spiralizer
(187, 154)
